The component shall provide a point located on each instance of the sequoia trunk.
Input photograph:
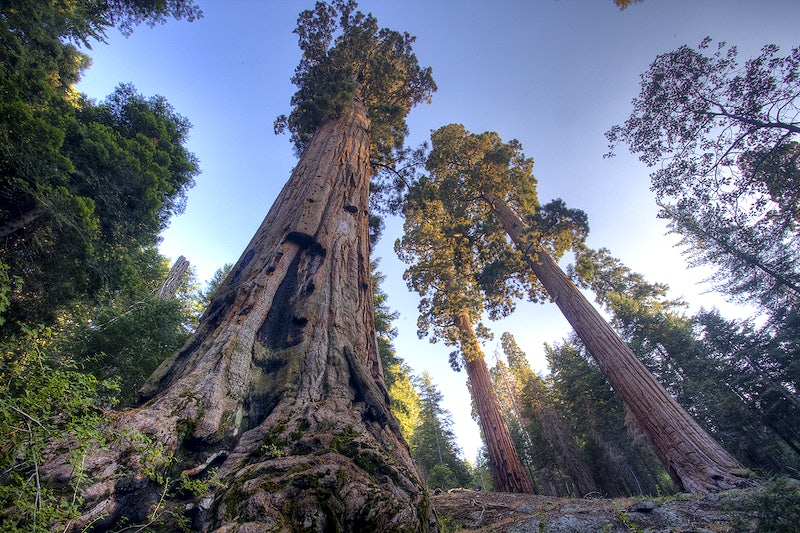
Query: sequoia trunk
(281, 388)
(694, 460)
(508, 474)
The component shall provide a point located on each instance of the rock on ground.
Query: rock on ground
(523, 513)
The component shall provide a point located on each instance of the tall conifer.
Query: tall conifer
(280, 390)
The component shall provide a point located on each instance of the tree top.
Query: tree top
(461, 259)
(346, 56)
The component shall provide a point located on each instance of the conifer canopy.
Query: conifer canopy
(345, 56)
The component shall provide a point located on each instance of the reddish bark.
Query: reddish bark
(694, 460)
(281, 387)
(508, 474)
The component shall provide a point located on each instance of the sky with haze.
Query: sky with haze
(554, 74)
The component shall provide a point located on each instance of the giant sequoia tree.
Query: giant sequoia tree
(280, 389)
(730, 377)
(446, 262)
(723, 139)
(482, 170)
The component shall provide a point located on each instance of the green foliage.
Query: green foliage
(541, 433)
(442, 477)
(777, 505)
(724, 138)
(85, 20)
(461, 260)
(5, 291)
(621, 460)
(433, 445)
(44, 402)
(86, 186)
(735, 380)
(214, 284)
(404, 401)
(605, 275)
(129, 342)
(92, 221)
(447, 524)
(751, 375)
(480, 472)
(346, 56)
(627, 522)
(442, 264)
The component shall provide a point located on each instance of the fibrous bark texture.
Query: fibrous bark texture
(281, 388)
(694, 460)
(508, 474)
(171, 285)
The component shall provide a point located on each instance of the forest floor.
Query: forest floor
(731, 511)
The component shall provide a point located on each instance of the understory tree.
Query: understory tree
(404, 399)
(612, 445)
(280, 390)
(539, 428)
(481, 171)
(433, 445)
(761, 370)
(85, 187)
(127, 337)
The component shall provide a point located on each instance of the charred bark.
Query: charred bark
(280, 387)
(694, 460)
(508, 474)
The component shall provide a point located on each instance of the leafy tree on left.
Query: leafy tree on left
(85, 187)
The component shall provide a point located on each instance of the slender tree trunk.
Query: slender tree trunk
(513, 405)
(281, 386)
(508, 474)
(12, 226)
(171, 285)
(694, 460)
(569, 462)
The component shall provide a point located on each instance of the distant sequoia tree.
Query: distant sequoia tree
(274, 415)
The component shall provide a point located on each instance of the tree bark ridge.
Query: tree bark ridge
(282, 378)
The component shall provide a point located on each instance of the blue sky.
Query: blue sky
(554, 74)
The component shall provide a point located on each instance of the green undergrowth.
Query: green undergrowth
(776, 505)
